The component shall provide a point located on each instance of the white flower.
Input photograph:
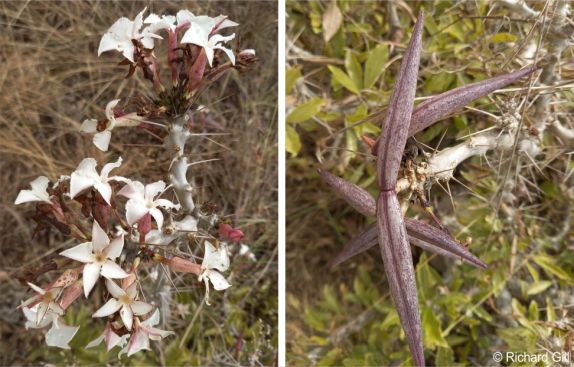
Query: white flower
(102, 138)
(175, 230)
(99, 257)
(38, 193)
(144, 331)
(112, 339)
(59, 334)
(141, 201)
(44, 301)
(214, 260)
(245, 250)
(121, 34)
(125, 301)
(200, 34)
(157, 23)
(85, 176)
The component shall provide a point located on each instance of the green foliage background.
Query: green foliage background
(523, 302)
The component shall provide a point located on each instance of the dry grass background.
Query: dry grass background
(51, 80)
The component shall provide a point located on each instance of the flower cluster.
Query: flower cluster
(136, 225)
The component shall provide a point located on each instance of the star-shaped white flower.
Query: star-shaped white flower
(38, 193)
(86, 176)
(59, 334)
(200, 33)
(142, 201)
(43, 301)
(125, 301)
(214, 260)
(144, 331)
(120, 35)
(99, 257)
(102, 138)
(111, 338)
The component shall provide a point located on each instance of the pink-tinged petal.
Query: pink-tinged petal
(100, 238)
(156, 334)
(132, 290)
(158, 216)
(356, 196)
(36, 289)
(83, 252)
(140, 308)
(114, 249)
(109, 167)
(135, 210)
(152, 320)
(42, 309)
(127, 317)
(181, 265)
(396, 126)
(219, 282)
(89, 126)
(111, 307)
(111, 270)
(70, 294)
(105, 191)
(133, 190)
(153, 189)
(112, 339)
(399, 269)
(91, 275)
(115, 290)
(442, 105)
(60, 335)
(102, 140)
(138, 341)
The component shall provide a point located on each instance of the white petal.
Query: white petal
(26, 196)
(36, 288)
(100, 238)
(109, 167)
(102, 140)
(166, 204)
(132, 290)
(111, 270)
(183, 16)
(127, 317)
(153, 320)
(138, 22)
(82, 253)
(83, 177)
(42, 309)
(228, 52)
(158, 216)
(133, 190)
(111, 307)
(40, 185)
(140, 308)
(114, 250)
(138, 341)
(109, 42)
(121, 27)
(95, 342)
(153, 189)
(218, 38)
(152, 18)
(209, 54)
(135, 210)
(219, 282)
(128, 51)
(91, 274)
(105, 190)
(196, 36)
(115, 290)
(188, 223)
(157, 334)
(157, 237)
(89, 126)
(113, 339)
(110, 109)
(60, 335)
(56, 308)
(215, 258)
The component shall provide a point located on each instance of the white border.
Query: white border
(281, 180)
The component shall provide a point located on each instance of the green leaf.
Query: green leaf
(538, 287)
(291, 77)
(549, 265)
(306, 110)
(503, 37)
(354, 69)
(342, 78)
(374, 65)
(292, 140)
(432, 330)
